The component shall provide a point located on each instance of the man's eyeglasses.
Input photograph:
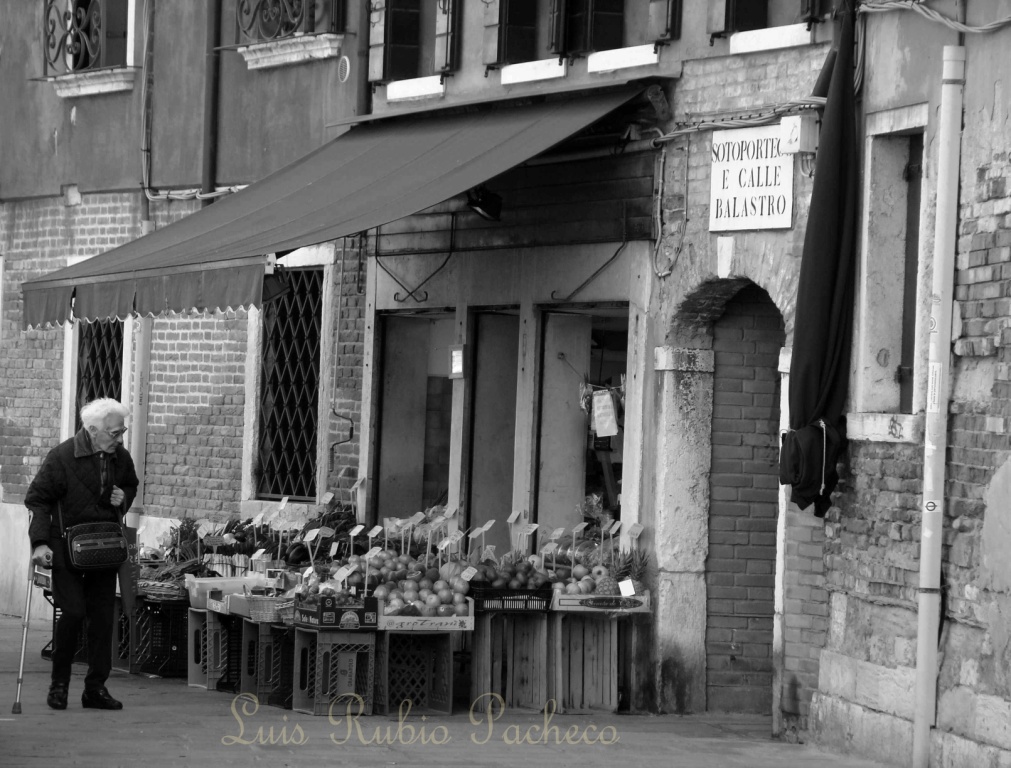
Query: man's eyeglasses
(117, 434)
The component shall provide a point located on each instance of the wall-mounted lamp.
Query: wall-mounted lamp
(798, 135)
(485, 203)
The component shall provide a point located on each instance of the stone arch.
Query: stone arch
(686, 376)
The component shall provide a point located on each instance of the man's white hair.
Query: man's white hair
(95, 413)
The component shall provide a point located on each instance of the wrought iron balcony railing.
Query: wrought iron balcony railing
(83, 35)
(261, 21)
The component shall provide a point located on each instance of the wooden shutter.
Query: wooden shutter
(557, 14)
(114, 42)
(510, 31)
(447, 36)
(665, 20)
(811, 10)
(605, 21)
(394, 39)
(729, 16)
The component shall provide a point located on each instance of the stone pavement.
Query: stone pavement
(166, 723)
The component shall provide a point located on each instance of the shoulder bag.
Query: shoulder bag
(94, 546)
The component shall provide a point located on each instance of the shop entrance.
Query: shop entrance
(584, 351)
(744, 488)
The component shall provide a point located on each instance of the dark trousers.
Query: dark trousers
(80, 595)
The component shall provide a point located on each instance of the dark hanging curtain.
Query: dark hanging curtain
(820, 367)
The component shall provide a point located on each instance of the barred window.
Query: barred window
(258, 21)
(289, 399)
(99, 363)
(82, 35)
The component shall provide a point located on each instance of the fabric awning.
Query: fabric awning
(371, 175)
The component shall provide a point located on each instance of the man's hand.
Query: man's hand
(117, 496)
(42, 555)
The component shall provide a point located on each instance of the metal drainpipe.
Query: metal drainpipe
(212, 75)
(936, 423)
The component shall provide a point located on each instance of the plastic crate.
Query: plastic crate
(124, 637)
(414, 672)
(81, 655)
(206, 648)
(161, 637)
(332, 667)
(231, 660)
(249, 656)
(505, 599)
(275, 665)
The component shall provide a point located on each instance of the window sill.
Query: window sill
(292, 50)
(773, 38)
(416, 88)
(93, 83)
(623, 58)
(885, 427)
(531, 71)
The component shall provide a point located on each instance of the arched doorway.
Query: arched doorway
(744, 493)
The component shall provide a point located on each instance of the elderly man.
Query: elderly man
(88, 478)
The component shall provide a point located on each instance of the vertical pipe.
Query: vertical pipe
(936, 424)
(211, 75)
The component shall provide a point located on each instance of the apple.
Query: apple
(579, 571)
(461, 609)
(572, 588)
(460, 586)
(445, 610)
(459, 597)
(381, 592)
(439, 585)
(425, 583)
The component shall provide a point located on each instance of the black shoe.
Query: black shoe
(57, 698)
(99, 698)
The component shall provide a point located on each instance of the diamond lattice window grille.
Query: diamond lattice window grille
(288, 408)
(99, 362)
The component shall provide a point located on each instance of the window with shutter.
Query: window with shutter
(510, 31)
(665, 20)
(729, 16)
(394, 39)
(447, 36)
(83, 35)
(99, 362)
(584, 26)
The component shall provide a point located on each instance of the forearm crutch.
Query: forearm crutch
(16, 710)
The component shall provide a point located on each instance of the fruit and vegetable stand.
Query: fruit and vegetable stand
(383, 621)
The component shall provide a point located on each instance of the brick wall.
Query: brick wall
(349, 336)
(740, 578)
(36, 237)
(195, 415)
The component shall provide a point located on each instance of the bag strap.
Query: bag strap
(59, 513)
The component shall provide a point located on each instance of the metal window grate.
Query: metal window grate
(290, 388)
(99, 362)
(259, 21)
(83, 35)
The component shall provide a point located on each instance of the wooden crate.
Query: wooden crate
(583, 662)
(509, 659)
(416, 669)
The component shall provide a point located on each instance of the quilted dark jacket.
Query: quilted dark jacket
(71, 474)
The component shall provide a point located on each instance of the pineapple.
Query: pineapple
(633, 565)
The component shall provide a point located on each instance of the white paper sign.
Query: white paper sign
(258, 554)
(514, 516)
(487, 526)
(615, 528)
(310, 535)
(333, 549)
(605, 420)
(751, 181)
(328, 497)
(455, 536)
(556, 534)
(258, 519)
(550, 547)
(468, 573)
(441, 546)
(356, 530)
(451, 512)
(626, 588)
(475, 533)
(342, 572)
(579, 528)
(282, 504)
(488, 553)
(634, 530)
(375, 531)
(373, 552)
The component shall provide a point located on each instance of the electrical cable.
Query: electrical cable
(884, 6)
